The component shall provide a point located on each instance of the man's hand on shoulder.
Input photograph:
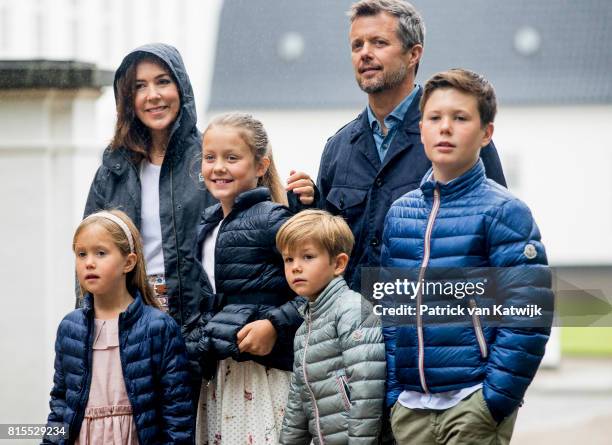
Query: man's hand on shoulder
(302, 185)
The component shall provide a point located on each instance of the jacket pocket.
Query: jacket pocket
(482, 343)
(347, 201)
(343, 388)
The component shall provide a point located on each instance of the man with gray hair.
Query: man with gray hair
(378, 157)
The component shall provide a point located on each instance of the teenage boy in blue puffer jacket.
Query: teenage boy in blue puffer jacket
(463, 385)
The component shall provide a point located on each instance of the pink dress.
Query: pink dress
(108, 415)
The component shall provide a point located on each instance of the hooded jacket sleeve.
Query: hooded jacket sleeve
(363, 355)
(95, 198)
(522, 277)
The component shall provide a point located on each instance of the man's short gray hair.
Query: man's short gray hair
(410, 26)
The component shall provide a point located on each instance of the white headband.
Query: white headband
(119, 222)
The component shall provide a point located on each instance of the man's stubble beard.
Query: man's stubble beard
(389, 81)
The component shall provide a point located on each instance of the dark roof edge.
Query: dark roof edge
(60, 74)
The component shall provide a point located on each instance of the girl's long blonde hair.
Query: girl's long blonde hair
(255, 137)
(136, 279)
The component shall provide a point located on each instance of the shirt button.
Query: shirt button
(379, 182)
(374, 242)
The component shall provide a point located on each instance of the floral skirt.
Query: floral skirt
(243, 404)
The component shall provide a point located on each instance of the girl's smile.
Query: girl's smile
(228, 165)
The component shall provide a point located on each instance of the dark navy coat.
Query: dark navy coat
(352, 181)
(249, 281)
(182, 196)
(154, 367)
(478, 224)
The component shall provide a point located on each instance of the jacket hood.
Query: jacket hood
(187, 117)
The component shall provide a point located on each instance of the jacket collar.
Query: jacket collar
(458, 186)
(126, 318)
(402, 141)
(245, 200)
(325, 298)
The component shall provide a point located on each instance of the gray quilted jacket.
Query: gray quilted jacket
(338, 382)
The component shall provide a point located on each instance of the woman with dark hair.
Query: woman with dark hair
(151, 171)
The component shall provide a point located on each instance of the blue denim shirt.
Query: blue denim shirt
(392, 122)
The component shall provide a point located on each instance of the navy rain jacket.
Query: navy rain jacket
(352, 181)
(182, 196)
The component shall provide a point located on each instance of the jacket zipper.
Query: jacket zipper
(128, 389)
(482, 344)
(314, 401)
(426, 254)
(178, 255)
(342, 385)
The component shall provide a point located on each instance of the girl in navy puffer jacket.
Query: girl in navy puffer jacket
(120, 364)
(255, 312)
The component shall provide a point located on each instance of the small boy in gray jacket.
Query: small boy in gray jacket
(338, 382)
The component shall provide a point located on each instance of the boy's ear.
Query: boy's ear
(340, 264)
(488, 135)
(130, 262)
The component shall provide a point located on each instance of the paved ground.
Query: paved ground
(568, 405)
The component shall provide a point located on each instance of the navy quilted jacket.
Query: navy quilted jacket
(249, 281)
(154, 370)
(473, 223)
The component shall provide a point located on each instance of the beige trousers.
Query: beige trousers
(467, 423)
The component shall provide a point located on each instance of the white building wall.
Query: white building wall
(50, 147)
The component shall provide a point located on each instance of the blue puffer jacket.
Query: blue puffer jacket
(471, 222)
(249, 281)
(154, 370)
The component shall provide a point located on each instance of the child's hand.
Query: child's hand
(257, 337)
(301, 184)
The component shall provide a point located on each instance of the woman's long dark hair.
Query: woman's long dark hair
(129, 131)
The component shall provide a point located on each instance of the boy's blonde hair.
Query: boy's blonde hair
(330, 232)
(136, 279)
(467, 82)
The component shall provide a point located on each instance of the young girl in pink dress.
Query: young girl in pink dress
(120, 365)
